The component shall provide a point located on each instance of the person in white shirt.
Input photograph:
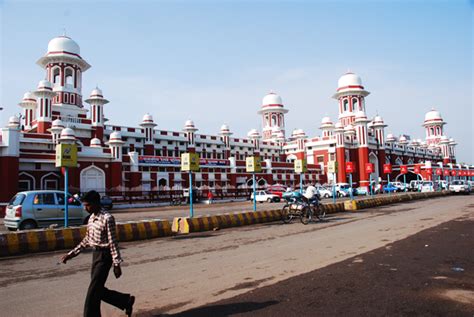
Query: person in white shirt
(310, 193)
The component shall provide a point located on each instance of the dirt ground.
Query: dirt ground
(427, 274)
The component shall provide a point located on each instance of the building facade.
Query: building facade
(144, 158)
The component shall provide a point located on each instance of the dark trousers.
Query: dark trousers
(101, 264)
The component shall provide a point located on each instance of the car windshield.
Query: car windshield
(17, 200)
(458, 183)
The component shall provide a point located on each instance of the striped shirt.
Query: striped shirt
(101, 234)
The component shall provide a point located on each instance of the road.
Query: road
(179, 273)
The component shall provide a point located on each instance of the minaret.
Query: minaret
(190, 131)
(444, 145)
(360, 123)
(44, 95)
(97, 102)
(225, 137)
(351, 97)
(148, 126)
(300, 137)
(452, 152)
(378, 126)
(115, 144)
(327, 127)
(273, 114)
(255, 137)
(434, 126)
(28, 104)
(64, 67)
(56, 129)
(340, 152)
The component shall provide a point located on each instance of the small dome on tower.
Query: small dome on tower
(253, 133)
(29, 96)
(224, 127)
(147, 118)
(68, 134)
(57, 124)
(95, 142)
(360, 115)
(338, 125)
(115, 136)
(349, 80)
(402, 139)
(96, 92)
(44, 84)
(433, 115)
(390, 138)
(377, 119)
(272, 99)
(326, 120)
(298, 133)
(14, 120)
(62, 44)
(349, 128)
(189, 124)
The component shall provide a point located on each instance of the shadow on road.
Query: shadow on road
(222, 310)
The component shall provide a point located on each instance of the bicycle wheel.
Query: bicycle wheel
(286, 215)
(306, 215)
(319, 212)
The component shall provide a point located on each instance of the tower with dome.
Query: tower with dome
(141, 158)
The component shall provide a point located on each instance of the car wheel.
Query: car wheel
(276, 199)
(28, 225)
(326, 195)
(269, 200)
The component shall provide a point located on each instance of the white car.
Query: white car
(262, 196)
(400, 186)
(426, 186)
(324, 192)
(459, 186)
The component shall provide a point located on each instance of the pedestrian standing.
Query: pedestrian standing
(102, 239)
(210, 196)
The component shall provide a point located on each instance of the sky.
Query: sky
(214, 61)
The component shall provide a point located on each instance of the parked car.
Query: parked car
(401, 186)
(343, 190)
(324, 192)
(262, 196)
(277, 190)
(443, 184)
(106, 203)
(460, 186)
(390, 188)
(361, 191)
(42, 208)
(414, 185)
(426, 186)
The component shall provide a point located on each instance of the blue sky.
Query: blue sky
(213, 61)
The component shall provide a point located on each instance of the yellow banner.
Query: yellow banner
(66, 155)
(300, 166)
(253, 164)
(190, 162)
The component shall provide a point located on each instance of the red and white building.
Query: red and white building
(143, 158)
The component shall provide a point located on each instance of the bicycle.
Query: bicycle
(304, 210)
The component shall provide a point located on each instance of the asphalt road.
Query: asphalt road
(176, 274)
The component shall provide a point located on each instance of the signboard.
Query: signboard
(167, 160)
(403, 169)
(369, 168)
(429, 171)
(446, 173)
(439, 171)
(350, 167)
(387, 168)
(66, 155)
(300, 166)
(189, 162)
(453, 173)
(332, 167)
(417, 169)
(253, 164)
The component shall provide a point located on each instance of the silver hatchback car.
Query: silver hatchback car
(42, 208)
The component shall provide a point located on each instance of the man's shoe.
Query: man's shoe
(129, 309)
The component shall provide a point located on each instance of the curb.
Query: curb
(355, 205)
(42, 240)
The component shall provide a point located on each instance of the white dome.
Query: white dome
(57, 124)
(116, 135)
(29, 95)
(338, 125)
(253, 133)
(390, 137)
(377, 119)
(95, 142)
(433, 115)
(272, 99)
(402, 138)
(360, 115)
(349, 127)
(298, 133)
(349, 79)
(147, 118)
(44, 84)
(14, 120)
(96, 92)
(326, 120)
(224, 127)
(63, 44)
(189, 124)
(68, 134)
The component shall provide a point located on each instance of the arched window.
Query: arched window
(274, 120)
(69, 76)
(438, 130)
(431, 131)
(56, 73)
(345, 104)
(355, 103)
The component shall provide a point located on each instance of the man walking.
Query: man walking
(101, 238)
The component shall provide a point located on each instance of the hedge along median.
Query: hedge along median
(41, 240)
(354, 205)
